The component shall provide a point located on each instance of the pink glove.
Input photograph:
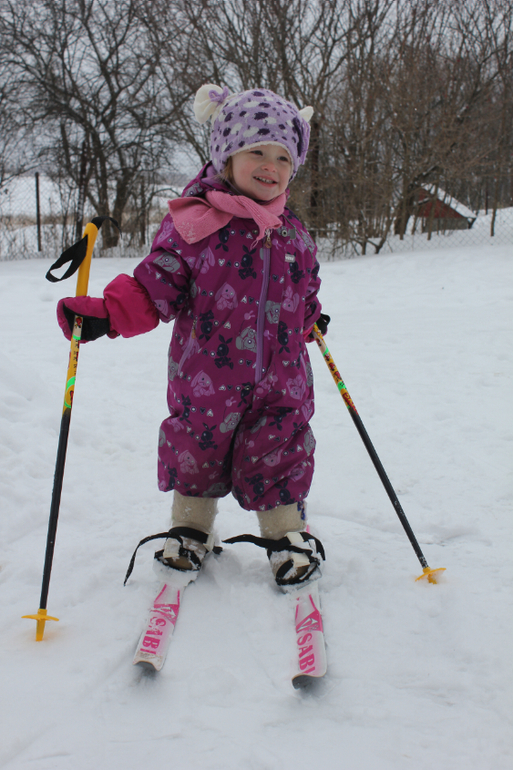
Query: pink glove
(127, 310)
(95, 318)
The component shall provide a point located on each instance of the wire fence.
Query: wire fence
(38, 219)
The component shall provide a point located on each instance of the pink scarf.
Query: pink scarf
(196, 218)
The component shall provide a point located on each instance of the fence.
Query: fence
(38, 219)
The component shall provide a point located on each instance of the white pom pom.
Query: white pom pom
(306, 113)
(209, 101)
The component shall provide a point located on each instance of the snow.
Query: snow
(419, 675)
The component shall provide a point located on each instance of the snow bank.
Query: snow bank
(419, 675)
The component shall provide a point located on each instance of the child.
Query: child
(237, 271)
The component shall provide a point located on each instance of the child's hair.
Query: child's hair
(226, 174)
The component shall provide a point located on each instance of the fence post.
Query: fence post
(38, 213)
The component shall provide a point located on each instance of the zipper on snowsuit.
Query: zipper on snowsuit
(265, 253)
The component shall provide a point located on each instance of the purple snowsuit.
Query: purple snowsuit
(240, 390)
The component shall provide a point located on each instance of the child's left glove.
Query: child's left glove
(322, 324)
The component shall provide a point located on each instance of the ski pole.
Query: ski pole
(427, 571)
(80, 257)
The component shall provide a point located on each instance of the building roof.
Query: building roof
(448, 200)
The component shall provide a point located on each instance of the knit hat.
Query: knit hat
(242, 121)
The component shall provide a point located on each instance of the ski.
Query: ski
(154, 641)
(311, 664)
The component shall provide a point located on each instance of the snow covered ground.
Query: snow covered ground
(419, 675)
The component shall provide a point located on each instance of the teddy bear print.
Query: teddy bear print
(202, 385)
(247, 339)
(297, 387)
(226, 298)
(187, 463)
(290, 300)
(272, 311)
(167, 262)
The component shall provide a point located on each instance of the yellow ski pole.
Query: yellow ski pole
(428, 573)
(80, 257)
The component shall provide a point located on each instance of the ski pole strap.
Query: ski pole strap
(178, 533)
(283, 544)
(75, 254)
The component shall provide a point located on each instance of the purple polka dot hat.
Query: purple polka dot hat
(241, 121)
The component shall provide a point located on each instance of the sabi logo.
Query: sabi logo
(306, 630)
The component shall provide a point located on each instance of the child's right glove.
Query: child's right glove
(126, 310)
(95, 318)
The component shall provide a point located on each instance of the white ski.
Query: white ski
(311, 663)
(154, 642)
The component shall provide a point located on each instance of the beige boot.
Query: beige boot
(295, 558)
(192, 520)
(275, 524)
(294, 555)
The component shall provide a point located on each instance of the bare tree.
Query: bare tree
(15, 156)
(498, 32)
(93, 94)
(294, 47)
(441, 98)
(416, 108)
(357, 157)
(407, 94)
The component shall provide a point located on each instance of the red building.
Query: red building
(439, 211)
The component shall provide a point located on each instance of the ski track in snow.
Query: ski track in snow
(419, 675)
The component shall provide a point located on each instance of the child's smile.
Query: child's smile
(262, 172)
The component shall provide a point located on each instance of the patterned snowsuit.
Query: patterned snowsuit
(240, 390)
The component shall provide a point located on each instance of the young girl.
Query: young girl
(237, 271)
